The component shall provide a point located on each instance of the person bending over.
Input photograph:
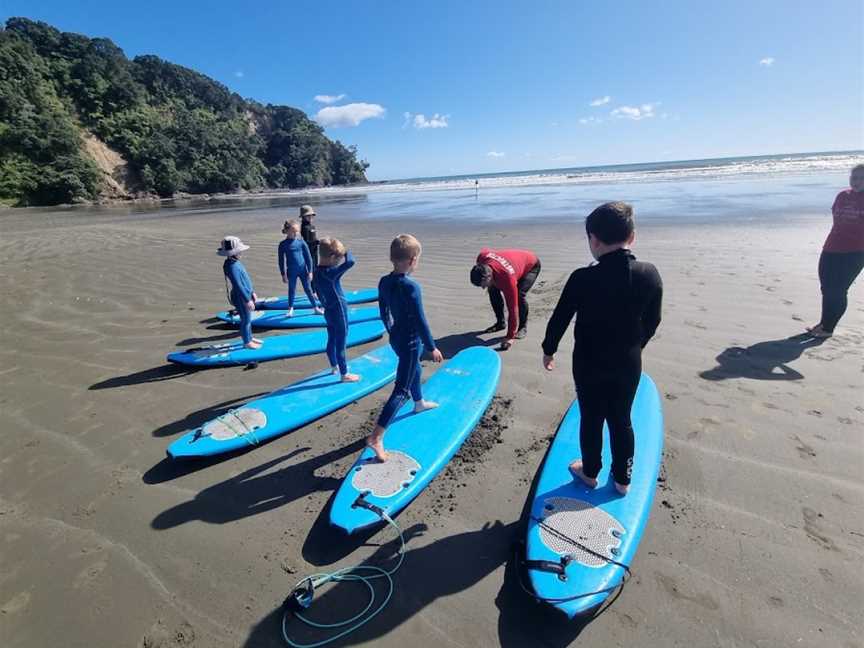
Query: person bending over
(511, 273)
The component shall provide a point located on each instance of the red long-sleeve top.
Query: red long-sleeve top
(847, 233)
(508, 267)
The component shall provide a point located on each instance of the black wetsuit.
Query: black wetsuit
(309, 234)
(617, 306)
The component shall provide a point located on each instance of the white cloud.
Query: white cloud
(768, 61)
(495, 154)
(590, 120)
(348, 115)
(239, 74)
(420, 121)
(645, 111)
(329, 99)
(602, 101)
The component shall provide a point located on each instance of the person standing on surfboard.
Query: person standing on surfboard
(334, 262)
(241, 294)
(513, 273)
(401, 305)
(308, 231)
(617, 304)
(295, 262)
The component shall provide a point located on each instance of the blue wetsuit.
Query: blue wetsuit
(241, 292)
(327, 285)
(295, 262)
(401, 304)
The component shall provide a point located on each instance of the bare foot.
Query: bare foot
(318, 310)
(576, 471)
(376, 443)
(253, 345)
(622, 488)
(258, 340)
(423, 405)
(334, 370)
(350, 378)
(818, 331)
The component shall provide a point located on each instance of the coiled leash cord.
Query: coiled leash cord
(302, 595)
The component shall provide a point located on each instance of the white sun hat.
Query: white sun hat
(231, 246)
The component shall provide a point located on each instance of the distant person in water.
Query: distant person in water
(241, 293)
(511, 273)
(308, 231)
(334, 261)
(842, 255)
(401, 305)
(295, 262)
(617, 306)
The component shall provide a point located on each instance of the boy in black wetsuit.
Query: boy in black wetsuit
(617, 306)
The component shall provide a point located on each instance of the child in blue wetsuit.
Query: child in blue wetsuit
(333, 262)
(295, 262)
(401, 306)
(241, 293)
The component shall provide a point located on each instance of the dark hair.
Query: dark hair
(611, 222)
(479, 272)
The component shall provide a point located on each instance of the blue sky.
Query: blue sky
(476, 87)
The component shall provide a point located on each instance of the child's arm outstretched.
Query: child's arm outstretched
(560, 320)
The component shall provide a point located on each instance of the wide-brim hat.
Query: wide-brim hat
(231, 246)
(306, 210)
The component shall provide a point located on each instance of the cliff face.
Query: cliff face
(79, 120)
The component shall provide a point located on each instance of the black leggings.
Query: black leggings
(608, 400)
(837, 271)
(524, 285)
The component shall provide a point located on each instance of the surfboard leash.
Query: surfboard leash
(303, 594)
(559, 567)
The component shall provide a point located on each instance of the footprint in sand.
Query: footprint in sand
(806, 451)
(814, 531)
(814, 412)
(788, 302)
(671, 586)
(16, 603)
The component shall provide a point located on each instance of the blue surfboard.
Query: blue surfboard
(287, 408)
(419, 445)
(276, 319)
(275, 347)
(363, 296)
(609, 525)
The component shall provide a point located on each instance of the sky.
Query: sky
(461, 87)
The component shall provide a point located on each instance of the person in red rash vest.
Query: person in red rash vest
(842, 257)
(509, 275)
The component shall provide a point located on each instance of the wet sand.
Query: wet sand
(757, 532)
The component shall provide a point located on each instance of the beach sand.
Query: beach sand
(757, 532)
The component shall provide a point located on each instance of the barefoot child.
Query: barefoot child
(334, 262)
(401, 306)
(241, 294)
(295, 262)
(617, 307)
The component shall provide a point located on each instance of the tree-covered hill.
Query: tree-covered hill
(78, 120)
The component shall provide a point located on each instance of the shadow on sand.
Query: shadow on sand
(249, 493)
(450, 345)
(764, 360)
(156, 374)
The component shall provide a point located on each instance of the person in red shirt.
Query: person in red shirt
(842, 255)
(509, 275)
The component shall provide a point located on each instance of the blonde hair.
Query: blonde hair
(331, 247)
(404, 248)
(289, 224)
